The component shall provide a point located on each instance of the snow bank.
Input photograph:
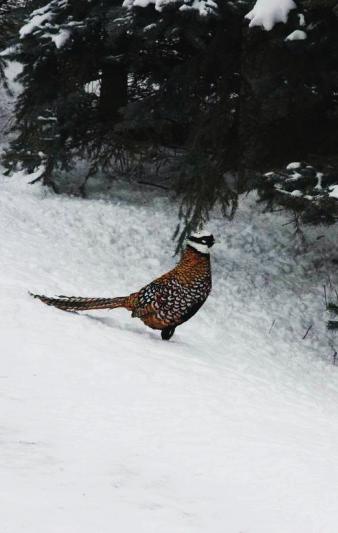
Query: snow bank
(267, 13)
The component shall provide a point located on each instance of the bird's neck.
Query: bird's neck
(191, 257)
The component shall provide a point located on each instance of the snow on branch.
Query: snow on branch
(38, 18)
(42, 22)
(267, 13)
(303, 188)
(203, 7)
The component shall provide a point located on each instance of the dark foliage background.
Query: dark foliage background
(219, 107)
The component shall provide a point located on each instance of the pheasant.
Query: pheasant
(166, 302)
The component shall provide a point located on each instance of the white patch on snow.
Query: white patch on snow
(297, 35)
(267, 13)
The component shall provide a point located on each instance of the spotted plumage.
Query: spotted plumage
(166, 302)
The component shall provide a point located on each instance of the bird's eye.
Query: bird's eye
(203, 241)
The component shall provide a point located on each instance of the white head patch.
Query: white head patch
(199, 241)
(200, 234)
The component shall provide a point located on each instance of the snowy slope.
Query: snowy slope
(231, 427)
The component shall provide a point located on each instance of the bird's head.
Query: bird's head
(201, 241)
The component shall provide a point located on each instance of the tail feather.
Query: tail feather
(74, 303)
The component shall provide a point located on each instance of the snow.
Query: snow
(301, 19)
(267, 13)
(334, 191)
(297, 35)
(293, 166)
(158, 4)
(319, 184)
(43, 18)
(60, 38)
(294, 176)
(93, 87)
(12, 70)
(203, 7)
(231, 426)
(38, 18)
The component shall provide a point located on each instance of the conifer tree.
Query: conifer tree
(189, 83)
(289, 117)
(187, 55)
(181, 64)
(73, 83)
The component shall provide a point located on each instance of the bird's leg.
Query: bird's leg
(167, 333)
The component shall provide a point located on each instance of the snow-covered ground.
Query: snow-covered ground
(231, 427)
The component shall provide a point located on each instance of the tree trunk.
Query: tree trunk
(114, 92)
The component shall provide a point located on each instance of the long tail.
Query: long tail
(73, 303)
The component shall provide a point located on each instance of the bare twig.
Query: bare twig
(153, 185)
(307, 331)
(272, 325)
(35, 180)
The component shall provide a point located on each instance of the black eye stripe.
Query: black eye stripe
(195, 239)
(209, 241)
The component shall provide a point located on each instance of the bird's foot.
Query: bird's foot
(167, 333)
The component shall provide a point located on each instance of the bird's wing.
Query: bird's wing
(166, 300)
(149, 300)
